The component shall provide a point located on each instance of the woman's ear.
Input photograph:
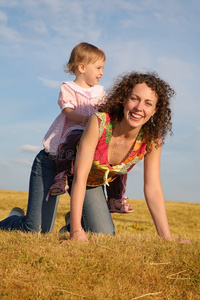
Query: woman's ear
(81, 68)
(155, 110)
(124, 102)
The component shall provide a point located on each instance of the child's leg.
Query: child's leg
(116, 195)
(65, 163)
(59, 186)
(117, 188)
(67, 152)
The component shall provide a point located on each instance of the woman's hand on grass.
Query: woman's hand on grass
(79, 236)
(178, 240)
(183, 241)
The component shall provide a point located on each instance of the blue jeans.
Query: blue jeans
(40, 213)
(96, 216)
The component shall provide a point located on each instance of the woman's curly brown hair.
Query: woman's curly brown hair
(114, 105)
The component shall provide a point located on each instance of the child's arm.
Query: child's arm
(67, 101)
(73, 116)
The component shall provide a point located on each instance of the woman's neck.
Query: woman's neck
(121, 144)
(125, 132)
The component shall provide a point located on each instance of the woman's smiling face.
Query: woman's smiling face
(140, 105)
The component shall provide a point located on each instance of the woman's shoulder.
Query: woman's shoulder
(104, 117)
(142, 138)
(100, 115)
(105, 122)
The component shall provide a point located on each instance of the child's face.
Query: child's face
(92, 72)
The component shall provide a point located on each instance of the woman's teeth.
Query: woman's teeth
(136, 116)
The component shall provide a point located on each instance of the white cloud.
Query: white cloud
(29, 148)
(126, 57)
(10, 3)
(20, 161)
(50, 83)
(127, 23)
(38, 26)
(188, 141)
(4, 164)
(8, 34)
(3, 17)
(23, 162)
(176, 68)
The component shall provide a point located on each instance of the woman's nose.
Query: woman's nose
(139, 105)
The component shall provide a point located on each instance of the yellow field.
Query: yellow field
(134, 264)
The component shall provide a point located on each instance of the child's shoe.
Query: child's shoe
(60, 185)
(124, 208)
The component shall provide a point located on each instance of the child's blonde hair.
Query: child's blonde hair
(83, 53)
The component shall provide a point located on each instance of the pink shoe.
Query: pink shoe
(125, 206)
(60, 185)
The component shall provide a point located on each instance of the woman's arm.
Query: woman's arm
(154, 194)
(84, 159)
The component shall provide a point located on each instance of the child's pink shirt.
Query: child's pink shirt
(80, 99)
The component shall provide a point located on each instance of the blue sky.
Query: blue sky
(36, 38)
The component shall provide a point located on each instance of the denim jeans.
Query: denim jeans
(96, 216)
(40, 213)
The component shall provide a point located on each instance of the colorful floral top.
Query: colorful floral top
(102, 172)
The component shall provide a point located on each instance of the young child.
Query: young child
(79, 100)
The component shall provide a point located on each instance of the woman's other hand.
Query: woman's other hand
(79, 236)
(178, 240)
(183, 241)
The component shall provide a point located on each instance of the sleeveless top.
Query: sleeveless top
(101, 171)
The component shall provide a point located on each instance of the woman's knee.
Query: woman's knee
(96, 215)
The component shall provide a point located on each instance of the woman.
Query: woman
(130, 125)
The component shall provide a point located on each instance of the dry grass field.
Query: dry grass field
(134, 264)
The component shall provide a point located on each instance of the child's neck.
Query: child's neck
(81, 83)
